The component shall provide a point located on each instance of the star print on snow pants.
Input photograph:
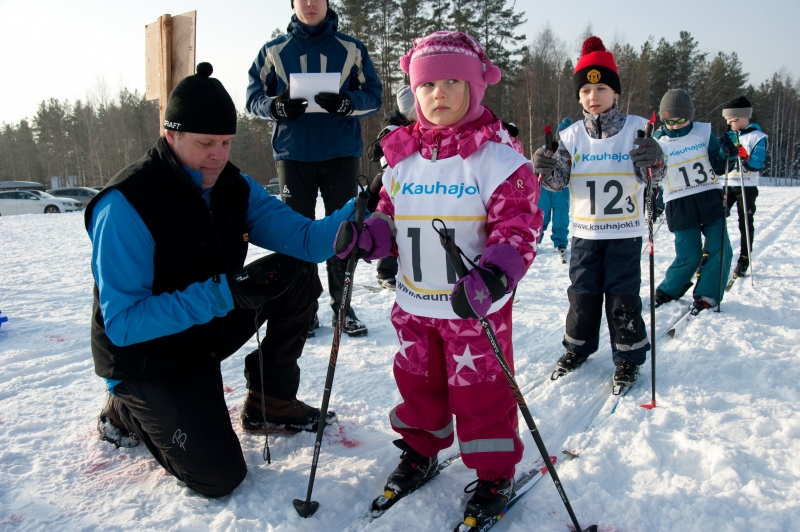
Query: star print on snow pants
(446, 368)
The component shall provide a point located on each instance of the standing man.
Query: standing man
(316, 151)
(172, 299)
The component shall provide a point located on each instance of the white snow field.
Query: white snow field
(720, 451)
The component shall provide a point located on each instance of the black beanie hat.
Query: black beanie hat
(738, 108)
(200, 104)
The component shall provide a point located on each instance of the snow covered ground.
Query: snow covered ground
(718, 453)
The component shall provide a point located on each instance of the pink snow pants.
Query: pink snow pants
(445, 368)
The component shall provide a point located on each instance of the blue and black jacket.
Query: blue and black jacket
(315, 137)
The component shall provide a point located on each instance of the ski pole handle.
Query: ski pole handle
(450, 248)
(361, 202)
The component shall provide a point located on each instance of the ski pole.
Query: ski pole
(454, 255)
(550, 144)
(746, 225)
(648, 133)
(307, 507)
(724, 231)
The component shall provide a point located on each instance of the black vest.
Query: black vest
(191, 245)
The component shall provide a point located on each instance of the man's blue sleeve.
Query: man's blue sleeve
(258, 102)
(275, 226)
(123, 267)
(367, 99)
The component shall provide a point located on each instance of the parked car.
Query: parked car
(273, 188)
(27, 202)
(98, 188)
(45, 195)
(82, 194)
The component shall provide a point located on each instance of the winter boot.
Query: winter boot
(702, 303)
(110, 427)
(662, 297)
(313, 326)
(626, 374)
(352, 326)
(282, 416)
(489, 498)
(389, 283)
(741, 266)
(569, 361)
(413, 471)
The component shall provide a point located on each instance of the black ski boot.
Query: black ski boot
(569, 361)
(701, 303)
(489, 498)
(413, 471)
(662, 297)
(625, 376)
(741, 266)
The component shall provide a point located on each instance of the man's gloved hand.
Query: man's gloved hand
(542, 163)
(649, 153)
(261, 281)
(497, 274)
(729, 142)
(335, 103)
(374, 242)
(287, 108)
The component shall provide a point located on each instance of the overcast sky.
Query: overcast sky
(63, 49)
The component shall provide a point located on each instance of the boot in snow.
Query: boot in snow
(489, 498)
(626, 375)
(110, 427)
(414, 469)
(283, 417)
(569, 361)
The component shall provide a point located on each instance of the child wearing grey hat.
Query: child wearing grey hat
(746, 146)
(693, 194)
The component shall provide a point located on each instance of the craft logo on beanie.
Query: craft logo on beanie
(596, 65)
(676, 103)
(200, 104)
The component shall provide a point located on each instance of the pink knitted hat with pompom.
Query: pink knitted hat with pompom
(451, 55)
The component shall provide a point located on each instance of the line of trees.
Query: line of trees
(89, 141)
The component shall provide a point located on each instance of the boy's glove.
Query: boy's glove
(374, 242)
(729, 142)
(335, 103)
(649, 153)
(542, 163)
(284, 107)
(261, 281)
(497, 274)
(743, 155)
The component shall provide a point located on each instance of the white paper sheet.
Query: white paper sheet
(309, 85)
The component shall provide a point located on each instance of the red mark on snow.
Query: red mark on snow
(58, 339)
(12, 520)
(347, 442)
(228, 389)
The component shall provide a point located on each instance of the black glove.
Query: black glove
(335, 103)
(543, 164)
(261, 281)
(287, 108)
(649, 153)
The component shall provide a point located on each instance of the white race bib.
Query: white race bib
(688, 166)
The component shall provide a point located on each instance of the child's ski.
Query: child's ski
(683, 322)
(472, 524)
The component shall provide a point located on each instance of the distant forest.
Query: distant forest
(92, 140)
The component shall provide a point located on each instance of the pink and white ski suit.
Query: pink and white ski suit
(446, 367)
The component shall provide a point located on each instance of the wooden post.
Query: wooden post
(170, 56)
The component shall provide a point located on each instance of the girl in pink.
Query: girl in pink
(458, 164)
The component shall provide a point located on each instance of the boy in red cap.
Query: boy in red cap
(607, 181)
(457, 163)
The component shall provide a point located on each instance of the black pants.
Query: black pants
(336, 181)
(735, 196)
(610, 269)
(182, 416)
(387, 268)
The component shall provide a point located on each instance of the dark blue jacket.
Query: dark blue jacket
(315, 136)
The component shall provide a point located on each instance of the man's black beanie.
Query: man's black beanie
(200, 104)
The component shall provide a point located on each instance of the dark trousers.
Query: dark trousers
(609, 269)
(387, 268)
(182, 416)
(735, 196)
(336, 181)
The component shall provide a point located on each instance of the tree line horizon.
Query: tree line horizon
(90, 140)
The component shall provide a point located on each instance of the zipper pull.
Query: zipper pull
(435, 137)
(435, 154)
